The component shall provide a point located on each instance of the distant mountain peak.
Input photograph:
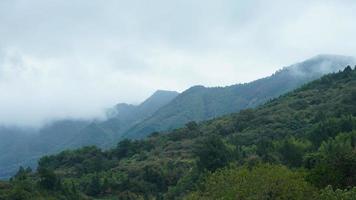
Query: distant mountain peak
(165, 92)
(123, 105)
(159, 97)
(321, 64)
(195, 88)
(160, 93)
(331, 56)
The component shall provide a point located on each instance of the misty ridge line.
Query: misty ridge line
(106, 113)
(72, 61)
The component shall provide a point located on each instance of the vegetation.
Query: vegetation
(259, 182)
(299, 146)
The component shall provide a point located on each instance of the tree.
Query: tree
(192, 126)
(348, 69)
(292, 151)
(21, 174)
(124, 148)
(212, 154)
(48, 179)
(94, 187)
(243, 118)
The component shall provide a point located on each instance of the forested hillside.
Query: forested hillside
(200, 103)
(299, 146)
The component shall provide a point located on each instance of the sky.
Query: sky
(75, 58)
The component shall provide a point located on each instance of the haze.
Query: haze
(73, 59)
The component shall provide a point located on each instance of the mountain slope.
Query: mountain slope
(23, 147)
(126, 115)
(303, 129)
(200, 103)
(121, 118)
(26, 146)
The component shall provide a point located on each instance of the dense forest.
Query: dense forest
(299, 146)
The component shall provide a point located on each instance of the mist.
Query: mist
(74, 59)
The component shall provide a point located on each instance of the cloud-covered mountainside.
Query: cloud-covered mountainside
(24, 147)
(163, 111)
(200, 103)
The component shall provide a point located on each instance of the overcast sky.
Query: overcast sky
(73, 58)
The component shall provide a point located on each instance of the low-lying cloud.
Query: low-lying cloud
(73, 59)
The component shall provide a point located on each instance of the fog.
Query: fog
(73, 59)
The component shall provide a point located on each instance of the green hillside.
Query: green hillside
(200, 103)
(301, 145)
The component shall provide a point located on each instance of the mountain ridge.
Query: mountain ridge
(210, 102)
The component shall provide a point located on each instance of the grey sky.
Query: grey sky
(73, 58)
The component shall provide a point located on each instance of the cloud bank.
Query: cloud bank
(61, 59)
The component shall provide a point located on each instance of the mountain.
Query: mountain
(23, 147)
(201, 103)
(26, 146)
(120, 118)
(126, 115)
(298, 146)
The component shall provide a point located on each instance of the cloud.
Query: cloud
(62, 59)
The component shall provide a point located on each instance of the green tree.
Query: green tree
(48, 179)
(21, 174)
(292, 151)
(212, 153)
(192, 126)
(94, 186)
(262, 182)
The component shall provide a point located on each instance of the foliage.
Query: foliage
(335, 162)
(329, 194)
(212, 154)
(262, 182)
